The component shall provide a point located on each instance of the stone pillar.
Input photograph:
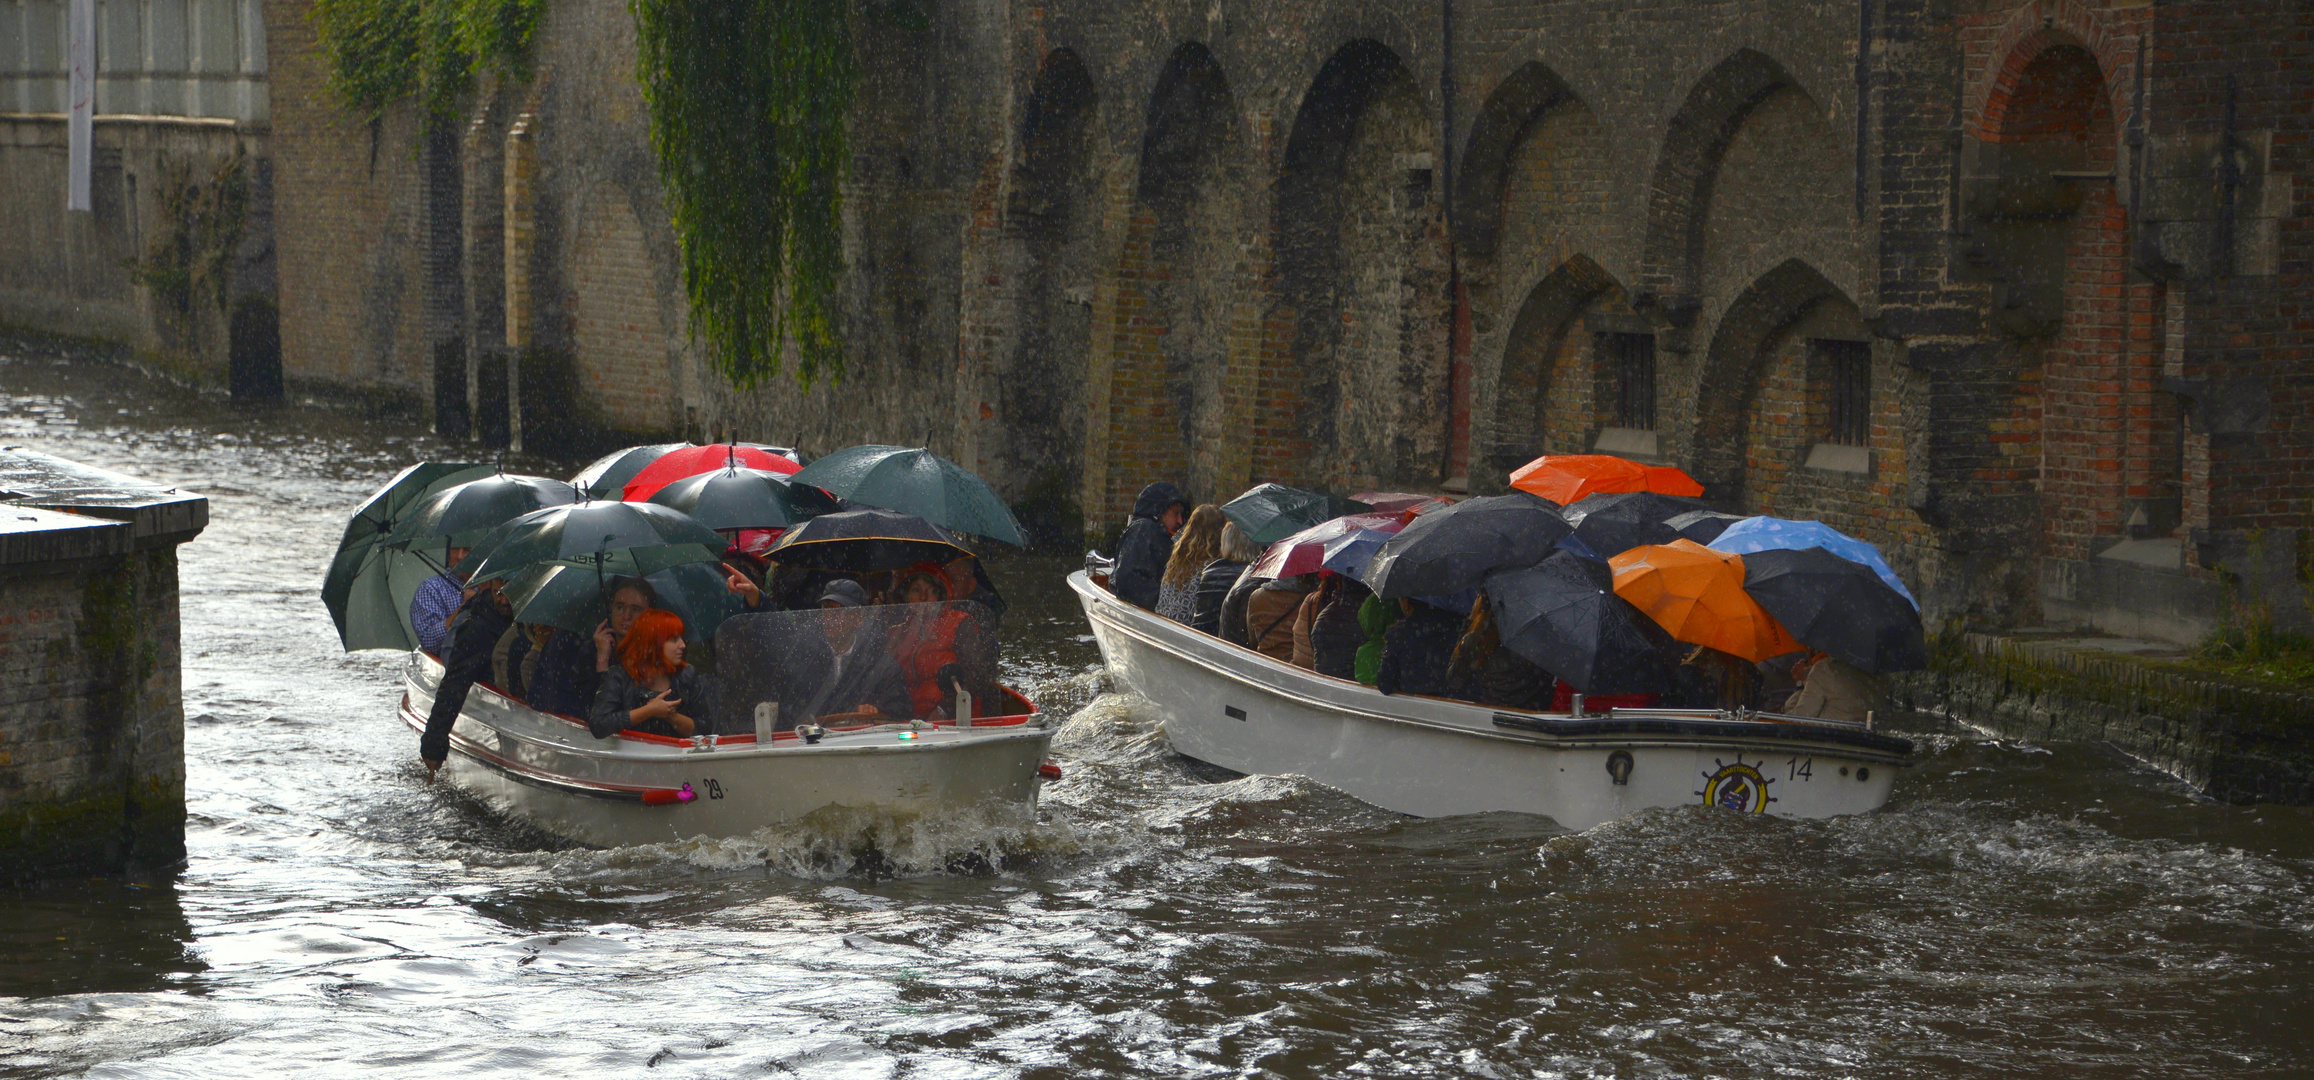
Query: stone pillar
(92, 721)
(521, 168)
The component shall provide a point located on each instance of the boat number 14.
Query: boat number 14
(1798, 768)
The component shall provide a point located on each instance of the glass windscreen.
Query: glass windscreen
(841, 666)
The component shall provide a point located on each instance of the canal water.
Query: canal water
(2017, 910)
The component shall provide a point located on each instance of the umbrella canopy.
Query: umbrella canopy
(1697, 594)
(864, 542)
(571, 597)
(1563, 614)
(1305, 552)
(1774, 534)
(1349, 553)
(745, 499)
(914, 481)
(460, 515)
(1702, 526)
(1268, 513)
(654, 537)
(1449, 550)
(369, 586)
(1615, 523)
(1568, 478)
(692, 460)
(607, 477)
(1392, 502)
(1838, 606)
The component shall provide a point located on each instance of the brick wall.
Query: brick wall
(618, 348)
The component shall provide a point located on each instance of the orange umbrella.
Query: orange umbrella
(1566, 478)
(1697, 594)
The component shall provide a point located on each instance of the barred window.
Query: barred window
(1847, 367)
(1630, 359)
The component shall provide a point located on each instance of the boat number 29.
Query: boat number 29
(1799, 768)
(714, 790)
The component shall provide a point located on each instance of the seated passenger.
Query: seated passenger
(1486, 673)
(438, 599)
(1375, 616)
(939, 645)
(1417, 651)
(1269, 615)
(1834, 690)
(473, 632)
(1306, 619)
(1336, 635)
(1198, 543)
(982, 592)
(570, 667)
(651, 689)
(1711, 679)
(1216, 577)
(846, 667)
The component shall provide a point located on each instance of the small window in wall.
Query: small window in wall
(1847, 367)
(1630, 362)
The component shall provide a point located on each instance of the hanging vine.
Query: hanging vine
(384, 51)
(748, 100)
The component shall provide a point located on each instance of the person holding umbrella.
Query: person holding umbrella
(472, 638)
(1148, 544)
(437, 600)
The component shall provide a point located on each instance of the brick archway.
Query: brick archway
(1495, 132)
(1680, 184)
(1729, 381)
(1541, 404)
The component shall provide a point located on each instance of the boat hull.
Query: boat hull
(550, 772)
(1433, 757)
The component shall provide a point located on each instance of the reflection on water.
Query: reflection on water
(2016, 911)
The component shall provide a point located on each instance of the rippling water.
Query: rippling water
(2016, 910)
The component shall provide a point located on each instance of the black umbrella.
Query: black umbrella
(1564, 615)
(864, 542)
(1616, 523)
(1451, 549)
(369, 585)
(1268, 513)
(1839, 607)
(585, 533)
(745, 499)
(607, 477)
(460, 515)
(1703, 526)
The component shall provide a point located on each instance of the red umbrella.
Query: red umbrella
(692, 460)
(1391, 502)
(1305, 552)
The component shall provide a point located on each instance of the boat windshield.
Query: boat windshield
(851, 665)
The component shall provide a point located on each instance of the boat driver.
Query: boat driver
(847, 667)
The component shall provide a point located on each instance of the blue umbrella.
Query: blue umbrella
(1783, 534)
(1349, 553)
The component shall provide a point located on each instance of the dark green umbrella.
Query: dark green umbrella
(653, 536)
(1563, 614)
(919, 482)
(572, 597)
(461, 514)
(608, 476)
(745, 499)
(864, 542)
(1268, 513)
(369, 586)
(1838, 606)
(1448, 550)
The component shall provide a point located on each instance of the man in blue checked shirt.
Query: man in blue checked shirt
(437, 599)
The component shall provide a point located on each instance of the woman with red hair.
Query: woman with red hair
(651, 689)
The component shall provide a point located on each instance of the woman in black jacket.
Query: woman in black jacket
(1418, 650)
(1213, 583)
(651, 689)
(1335, 637)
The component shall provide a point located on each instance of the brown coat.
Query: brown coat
(1836, 691)
(1273, 610)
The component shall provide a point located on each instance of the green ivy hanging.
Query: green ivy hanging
(748, 100)
(383, 51)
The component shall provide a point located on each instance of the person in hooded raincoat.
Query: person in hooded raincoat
(1148, 544)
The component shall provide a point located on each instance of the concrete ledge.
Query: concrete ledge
(31, 482)
(2235, 740)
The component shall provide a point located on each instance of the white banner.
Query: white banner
(80, 91)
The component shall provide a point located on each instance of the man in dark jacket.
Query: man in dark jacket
(1148, 543)
(466, 656)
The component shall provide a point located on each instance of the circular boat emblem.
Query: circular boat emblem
(1738, 787)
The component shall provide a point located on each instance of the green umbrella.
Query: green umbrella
(462, 514)
(607, 477)
(572, 597)
(1268, 513)
(369, 586)
(745, 499)
(653, 536)
(917, 482)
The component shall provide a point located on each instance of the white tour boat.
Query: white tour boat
(639, 788)
(1433, 757)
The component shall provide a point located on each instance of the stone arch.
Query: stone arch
(623, 369)
(1050, 205)
(1541, 406)
(1361, 392)
(1495, 133)
(1680, 187)
(1729, 380)
(1179, 280)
